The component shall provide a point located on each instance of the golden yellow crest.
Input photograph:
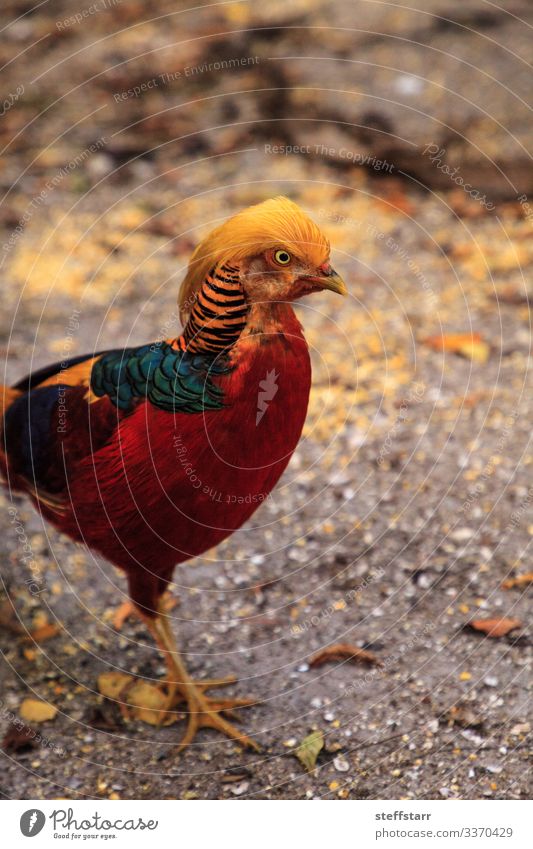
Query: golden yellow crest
(275, 222)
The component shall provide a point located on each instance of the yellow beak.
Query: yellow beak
(327, 279)
(334, 283)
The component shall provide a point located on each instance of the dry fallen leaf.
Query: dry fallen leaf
(34, 710)
(8, 620)
(137, 698)
(43, 632)
(236, 774)
(111, 684)
(309, 750)
(344, 651)
(495, 627)
(469, 345)
(519, 581)
(147, 701)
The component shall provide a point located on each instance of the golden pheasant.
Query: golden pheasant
(122, 450)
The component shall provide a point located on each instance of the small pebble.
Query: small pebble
(341, 764)
(240, 788)
(462, 534)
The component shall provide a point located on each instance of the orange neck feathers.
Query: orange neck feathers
(218, 316)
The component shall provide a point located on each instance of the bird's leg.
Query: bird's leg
(164, 638)
(204, 712)
(128, 608)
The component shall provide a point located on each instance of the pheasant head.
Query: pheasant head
(277, 251)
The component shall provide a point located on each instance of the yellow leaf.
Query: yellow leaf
(519, 581)
(43, 632)
(477, 351)
(111, 684)
(309, 749)
(34, 710)
(147, 703)
(495, 627)
(469, 345)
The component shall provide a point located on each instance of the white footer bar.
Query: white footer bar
(255, 824)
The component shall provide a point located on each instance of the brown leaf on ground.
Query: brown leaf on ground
(235, 774)
(519, 581)
(495, 627)
(469, 345)
(112, 684)
(309, 750)
(43, 632)
(8, 620)
(138, 699)
(19, 739)
(148, 702)
(35, 710)
(344, 651)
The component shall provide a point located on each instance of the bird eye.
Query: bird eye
(282, 257)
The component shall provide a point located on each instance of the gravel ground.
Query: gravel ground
(405, 508)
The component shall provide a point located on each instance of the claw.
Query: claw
(182, 692)
(205, 713)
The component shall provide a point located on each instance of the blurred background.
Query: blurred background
(128, 130)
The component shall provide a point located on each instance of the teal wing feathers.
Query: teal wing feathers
(170, 379)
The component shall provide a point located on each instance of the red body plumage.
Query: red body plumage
(167, 487)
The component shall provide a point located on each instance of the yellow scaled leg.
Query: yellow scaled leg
(203, 711)
(127, 609)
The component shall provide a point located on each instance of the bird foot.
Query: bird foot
(166, 702)
(205, 684)
(177, 694)
(180, 694)
(204, 712)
